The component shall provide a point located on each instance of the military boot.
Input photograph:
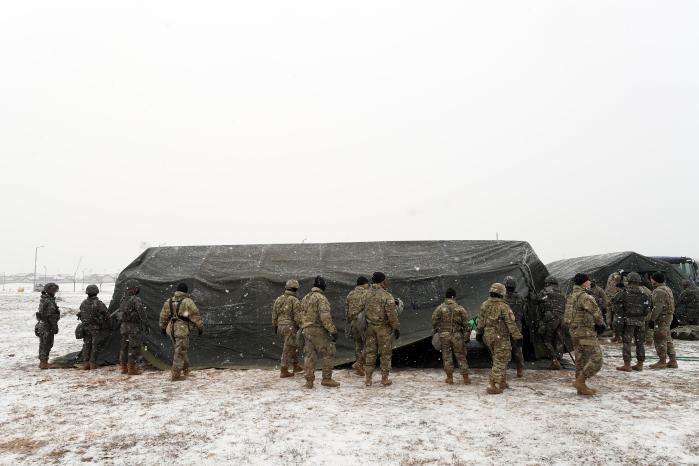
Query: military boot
(520, 372)
(493, 389)
(309, 383)
(329, 382)
(368, 372)
(555, 365)
(123, 368)
(85, 366)
(661, 364)
(93, 366)
(285, 373)
(504, 385)
(43, 364)
(450, 378)
(176, 376)
(583, 389)
(626, 367)
(467, 381)
(638, 366)
(385, 381)
(297, 368)
(133, 369)
(186, 371)
(672, 363)
(358, 369)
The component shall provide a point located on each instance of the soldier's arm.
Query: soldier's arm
(509, 318)
(390, 306)
(275, 311)
(296, 312)
(194, 314)
(590, 305)
(102, 310)
(480, 328)
(141, 310)
(435, 319)
(165, 314)
(658, 303)
(466, 328)
(356, 306)
(326, 317)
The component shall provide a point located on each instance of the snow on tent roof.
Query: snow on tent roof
(600, 266)
(235, 286)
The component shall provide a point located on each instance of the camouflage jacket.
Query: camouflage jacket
(315, 311)
(632, 305)
(179, 315)
(354, 304)
(133, 314)
(582, 314)
(450, 317)
(517, 305)
(551, 303)
(663, 303)
(286, 310)
(380, 307)
(48, 312)
(600, 297)
(93, 312)
(611, 290)
(496, 319)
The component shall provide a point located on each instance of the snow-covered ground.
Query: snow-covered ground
(253, 417)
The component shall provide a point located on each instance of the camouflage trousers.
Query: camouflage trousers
(45, 345)
(501, 353)
(588, 356)
(180, 360)
(453, 346)
(663, 339)
(379, 341)
(359, 340)
(633, 334)
(130, 348)
(318, 345)
(89, 352)
(290, 352)
(553, 337)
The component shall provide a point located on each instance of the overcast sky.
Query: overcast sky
(572, 125)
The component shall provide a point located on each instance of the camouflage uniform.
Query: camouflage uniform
(687, 312)
(517, 304)
(178, 317)
(382, 321)
(496, 325)
(611, 290)
(286, 318)
(133, 320)
(631, 307)
(354, 305)
(663, 311)
(93, 314)
(581, 316)
(601, 299)
(551, 306)
(47, 326)
(319, 332)
(450, 321)
(646, 330)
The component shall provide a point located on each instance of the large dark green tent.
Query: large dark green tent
(234, 286)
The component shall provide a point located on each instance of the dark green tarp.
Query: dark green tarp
(234, 286)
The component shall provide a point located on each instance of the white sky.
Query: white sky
(572, 125)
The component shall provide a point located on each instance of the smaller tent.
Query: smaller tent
(601, 266)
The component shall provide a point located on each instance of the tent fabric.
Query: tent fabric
(600, 266)
(235, 286)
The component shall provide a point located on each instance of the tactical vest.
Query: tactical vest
(374, 306)
(129, 312)
(89, 314)
(446, 323)
(516, 303)
(636, 304)
(553, 304)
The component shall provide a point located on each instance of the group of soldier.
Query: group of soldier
(178, 317)
(632, 310)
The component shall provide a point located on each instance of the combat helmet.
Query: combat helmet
(50, 288)
(132, 284)
(510, 282)
(635, 278)
(551, 280)
(92, 290)
(498, 288)
(292, 285)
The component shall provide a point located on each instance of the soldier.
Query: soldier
(450, 321)
(93, 314)
(286, 319)
(354, 304)
(551, 307)
(647, 331)
(687, 311)
(584, 319)
(320, 334)
(631, 308)
(382, 327)
(133, 319)
(517, 305)
(614, 286)
(600, 298)
(496, 326)
(47, 325)
(178, 317)
(661, 318)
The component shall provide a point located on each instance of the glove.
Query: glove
(479, 337)
(396, 334)
(600, 328)
(651, 324)
(201, 331)
(163, 331)
(333, 337)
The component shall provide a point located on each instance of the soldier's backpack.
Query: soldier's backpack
(80, 331)
(636, 304)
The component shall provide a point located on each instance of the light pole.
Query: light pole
(36, 255)
(44, 274)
